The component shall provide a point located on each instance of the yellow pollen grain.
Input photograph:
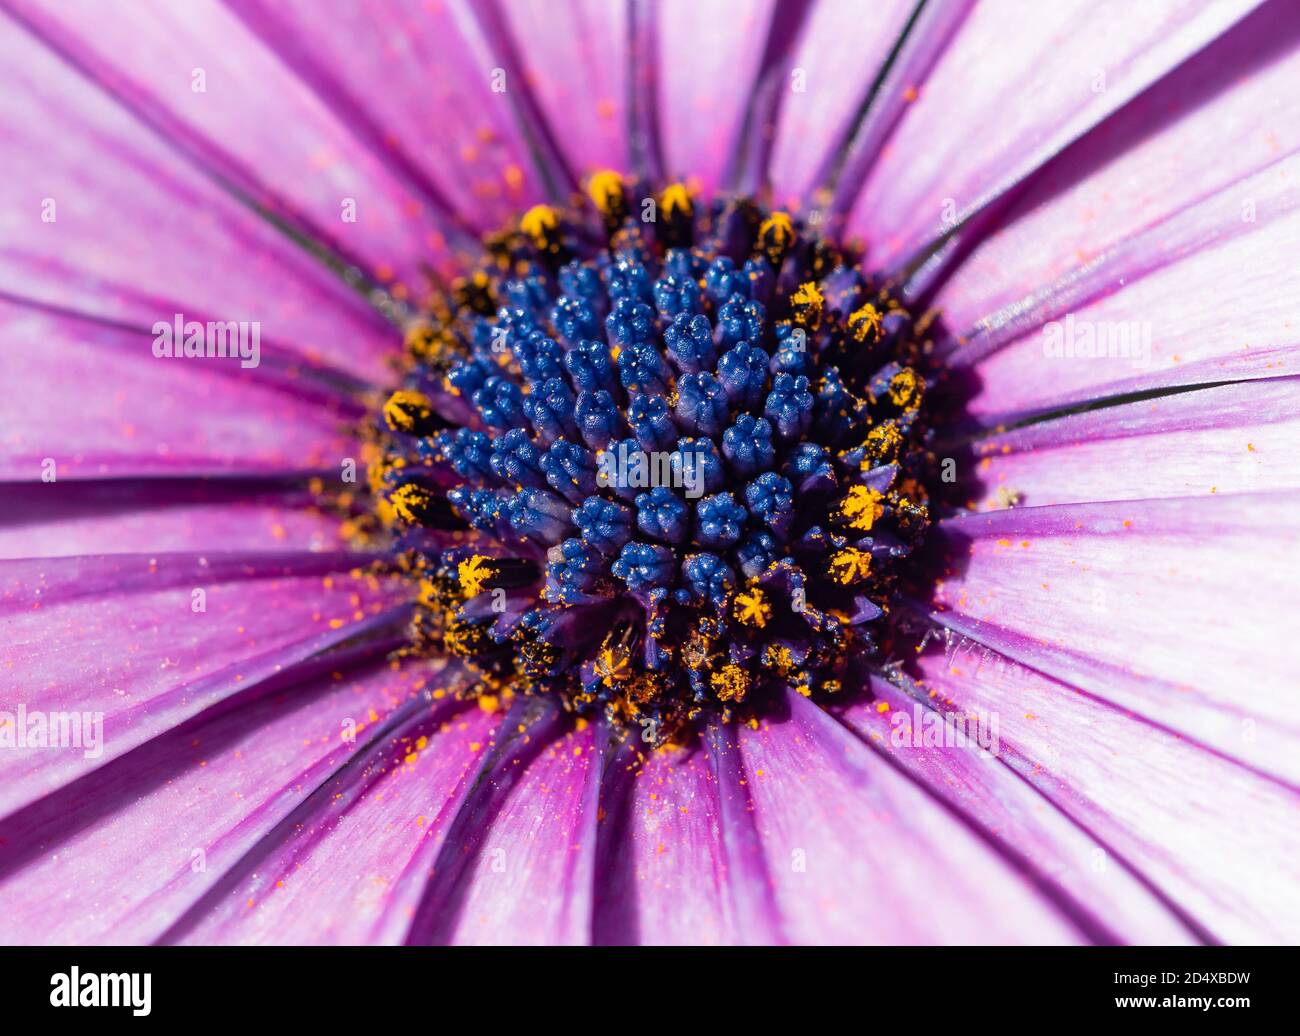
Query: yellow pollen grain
(606, 191)
(751, 608)
(474, 572)
(865, 322)
(404, 408)
(850, 565)
(539, 222)
(862, 507)
(676, 200)
(407, 502)
(730, 683)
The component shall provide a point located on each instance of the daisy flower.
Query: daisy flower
(649, 472)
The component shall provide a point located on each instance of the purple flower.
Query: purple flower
(952, 597)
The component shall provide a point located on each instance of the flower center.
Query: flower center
(657, 457)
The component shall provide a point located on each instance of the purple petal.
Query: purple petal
(200, 796)
(858, 853)
(979, 780)
(1165, 288)
(164, 515)
(1237, 438)
(529, 859)
(1224, 115)
(709, 54)
(256, 125)
(129, 636)
(1168, 608)
(100, 216)
(414, 82)
(662, 870)
(840, 53)
(351, 863)
(1215, 841)
(972, 133)
(95, 399)
(574, 55)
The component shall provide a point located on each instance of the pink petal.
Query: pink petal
(1208, 290)
(200, 796)
(1217, 842)
(1237, 438)
(1224, 115)
(164, 515)
(857, 852)
(931, 176)
(137, 233)
(256, 125)
(353, 860)
(663, 867)
(840, 54)
(518, 863)
(574, 55)
(976, 778)
(95, 399)
(709, 54)
(123, 635)
(415, 83)
(1169, 608)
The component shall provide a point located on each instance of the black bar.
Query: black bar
(541, 986)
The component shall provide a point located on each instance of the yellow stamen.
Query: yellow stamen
(676, 200)
(865, 323)
(539, 223)
(906, 389)
(406, 410)
(730, 683)
(612, 665)
(778, 227)
(409, 501)
(862, 507)
(474, 572)
(605, 189)
(778, 657)
(806, 305)
(775, 236)
(882, 445)
(751, 608)
(850, 565)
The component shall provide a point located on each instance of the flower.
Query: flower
(332, 609)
